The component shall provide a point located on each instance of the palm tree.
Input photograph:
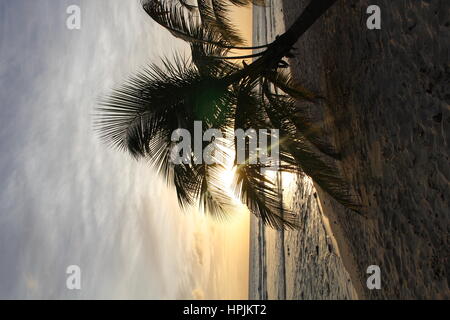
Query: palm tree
(141, 116)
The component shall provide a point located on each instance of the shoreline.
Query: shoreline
(337, 233)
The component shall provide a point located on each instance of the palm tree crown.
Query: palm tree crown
(141, 116)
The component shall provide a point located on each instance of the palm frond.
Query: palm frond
(287, 84)
(210, 26)
(141, 116)
(162, 99)
(323, 172)
(215, 14)
(180, 22)
(139, 110)
(243, 3)
(213, 199)
(290, 110)
(186, 4)
(262, 197)
(202, 57)
(204, 24)
(249, 113)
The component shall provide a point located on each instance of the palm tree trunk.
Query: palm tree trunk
(284, 43)
(312, 12)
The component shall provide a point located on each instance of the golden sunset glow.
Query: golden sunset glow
(231, 237)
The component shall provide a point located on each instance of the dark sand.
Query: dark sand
(389, 115)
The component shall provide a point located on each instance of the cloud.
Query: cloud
(198, 294)
(65, 198)
(31, 282)
(199, 242)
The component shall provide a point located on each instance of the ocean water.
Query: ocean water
(300, 264)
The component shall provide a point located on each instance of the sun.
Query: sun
(226, 176)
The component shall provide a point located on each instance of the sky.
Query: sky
(66, 198)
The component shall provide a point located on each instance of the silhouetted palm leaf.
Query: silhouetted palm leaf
(203, 56)
(141, 116)
(180, 22)
(261, 197)
(215, 13)
(321, 170)
(209, 25)
(285, 83)
(213, 199)
(289, 110)
(243, 3)
(188, 4)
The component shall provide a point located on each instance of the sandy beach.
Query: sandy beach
(389, 115)
(387, 112)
